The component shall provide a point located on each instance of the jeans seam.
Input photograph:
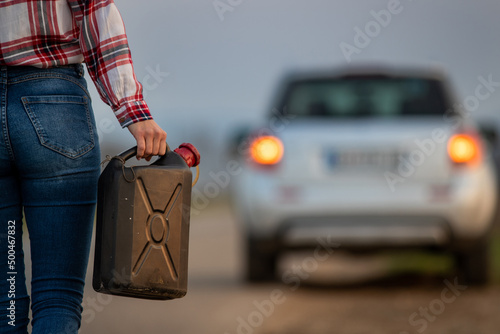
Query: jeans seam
(5, 129)
(30, 77)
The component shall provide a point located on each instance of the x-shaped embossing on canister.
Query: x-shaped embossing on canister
(157, 230)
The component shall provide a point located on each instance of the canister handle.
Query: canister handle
(133, 151)
(124, 156)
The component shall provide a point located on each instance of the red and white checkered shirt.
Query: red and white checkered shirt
(48, 33)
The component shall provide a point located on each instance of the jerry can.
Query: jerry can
(142, 226)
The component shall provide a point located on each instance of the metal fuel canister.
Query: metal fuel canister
(142, 225)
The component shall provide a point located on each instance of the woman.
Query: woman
(49, 150)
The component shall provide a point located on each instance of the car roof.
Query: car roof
(371, 70)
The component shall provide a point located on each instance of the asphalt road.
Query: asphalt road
(334, 293)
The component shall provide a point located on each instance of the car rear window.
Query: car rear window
(365, 96)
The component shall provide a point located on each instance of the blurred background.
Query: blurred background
(207, 71)
(210, 68)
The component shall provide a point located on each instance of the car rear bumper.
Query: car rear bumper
(367, 232)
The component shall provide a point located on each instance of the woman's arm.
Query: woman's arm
(104, 46)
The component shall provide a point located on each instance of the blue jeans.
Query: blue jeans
(49, 167)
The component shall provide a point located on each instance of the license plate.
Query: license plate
(344, 159)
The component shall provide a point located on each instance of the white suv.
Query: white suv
(369, 159)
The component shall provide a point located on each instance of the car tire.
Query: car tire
(261, 261)
(474, 264)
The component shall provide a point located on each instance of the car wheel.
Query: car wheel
(474, 264)
(261, 261)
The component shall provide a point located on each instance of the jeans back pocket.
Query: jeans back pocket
(63, 123)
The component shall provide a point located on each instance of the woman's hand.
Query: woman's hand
(150, 137)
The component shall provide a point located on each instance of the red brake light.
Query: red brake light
(464, 148)
(267, 150)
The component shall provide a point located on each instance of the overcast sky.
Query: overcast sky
(217, 62)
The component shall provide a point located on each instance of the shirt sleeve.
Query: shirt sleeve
(104, 46)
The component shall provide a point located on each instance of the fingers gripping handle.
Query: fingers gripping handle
(186, 150)
(131, 152)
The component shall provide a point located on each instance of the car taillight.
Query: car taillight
(266, 150)
(464, 149)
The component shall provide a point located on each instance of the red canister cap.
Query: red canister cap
(189, 153)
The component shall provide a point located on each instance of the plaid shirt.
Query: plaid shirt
(48, 33)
